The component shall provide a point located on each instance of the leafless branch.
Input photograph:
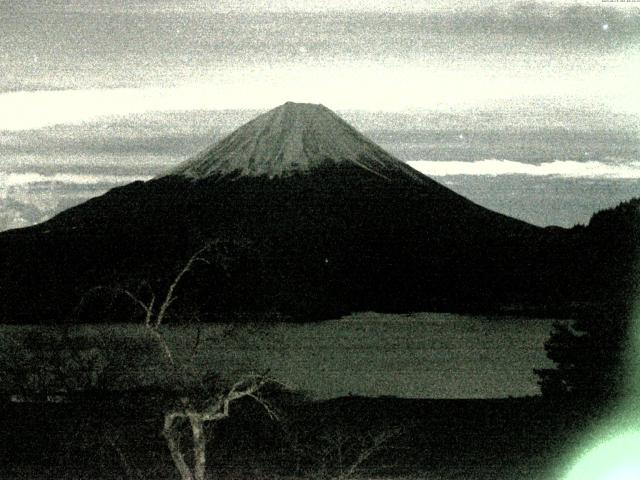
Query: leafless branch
(273, 414)
(148, 308)
(378, 442)
(189, 410)
(170, 297)
(131, 471)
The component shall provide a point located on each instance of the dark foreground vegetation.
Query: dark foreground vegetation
(78, 407)
(118, 436)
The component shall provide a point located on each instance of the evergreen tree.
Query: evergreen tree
(590, 358)
(590, 353)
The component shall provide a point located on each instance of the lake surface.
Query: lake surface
(421, 355)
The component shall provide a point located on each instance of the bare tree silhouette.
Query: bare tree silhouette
(202, 398)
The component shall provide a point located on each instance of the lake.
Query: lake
(420, 355)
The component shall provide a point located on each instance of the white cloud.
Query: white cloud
(30, 197)
(8, 179)
(387, 86)
(559, 168)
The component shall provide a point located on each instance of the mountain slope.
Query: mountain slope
(316, 221)
(292, 138)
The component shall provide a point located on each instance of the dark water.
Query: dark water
(422, 355)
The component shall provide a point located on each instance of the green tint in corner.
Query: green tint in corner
(616, 459)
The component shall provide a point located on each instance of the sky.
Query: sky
(65, 61)
(94, 93)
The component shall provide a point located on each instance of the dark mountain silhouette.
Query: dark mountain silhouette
(317, 221)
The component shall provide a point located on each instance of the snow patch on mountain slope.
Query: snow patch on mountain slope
(294, 137)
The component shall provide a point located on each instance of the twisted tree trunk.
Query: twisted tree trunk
(199, 447)
(171, 435)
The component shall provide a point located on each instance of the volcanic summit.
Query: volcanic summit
(292, 138)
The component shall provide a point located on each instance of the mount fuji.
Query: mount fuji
(313, 219)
